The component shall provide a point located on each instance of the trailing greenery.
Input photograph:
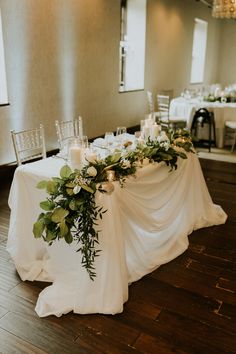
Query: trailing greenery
(70, 211)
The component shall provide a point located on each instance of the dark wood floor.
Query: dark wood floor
(185, 306)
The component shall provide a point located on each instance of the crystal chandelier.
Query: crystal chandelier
(224, 9)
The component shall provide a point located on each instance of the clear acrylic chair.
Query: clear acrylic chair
(230, 133)
(66, 129)
(151, 104)
(29, 144)
(167, 121)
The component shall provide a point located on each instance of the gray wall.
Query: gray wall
(62, 61)
(227, 53)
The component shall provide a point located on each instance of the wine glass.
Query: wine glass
(120, 130)
(84, 141)
(109, 139)
(119, 133)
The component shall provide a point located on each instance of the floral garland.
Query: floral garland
(70, 211)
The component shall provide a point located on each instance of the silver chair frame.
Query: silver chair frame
(29, 144)
(66, 129)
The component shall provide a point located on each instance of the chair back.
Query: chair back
(163, 105)
(29, 144)
(230, 133)
(66, 129)
(169, 93)
(202, 116)
(201, 119)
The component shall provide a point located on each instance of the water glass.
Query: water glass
(84, 141)
(137, 134)
(142, 123)
(109, 139)
(120, 130)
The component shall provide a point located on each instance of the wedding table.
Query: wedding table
(147, 224)
(182, 107)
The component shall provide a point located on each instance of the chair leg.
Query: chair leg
(210, 137)
(214, 132)
(232, 148)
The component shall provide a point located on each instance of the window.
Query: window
(132, 45)
(3, 81)
(199, 51)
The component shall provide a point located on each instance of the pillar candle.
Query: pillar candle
(155, 131)
(76, 156)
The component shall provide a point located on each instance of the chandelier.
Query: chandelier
(224, 9)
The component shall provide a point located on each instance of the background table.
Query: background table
(147, 224)
(182, 107)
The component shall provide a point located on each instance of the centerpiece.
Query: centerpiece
(70, 211)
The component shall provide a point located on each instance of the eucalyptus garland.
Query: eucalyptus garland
(70, 211)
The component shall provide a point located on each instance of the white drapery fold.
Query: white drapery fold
(147, 224)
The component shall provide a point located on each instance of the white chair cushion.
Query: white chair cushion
(230, 124)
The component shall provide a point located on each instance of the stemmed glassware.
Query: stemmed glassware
(120, 130)
(109, 139)
(119, 134)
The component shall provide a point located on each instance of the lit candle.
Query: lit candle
(76, 156)
(155, 131)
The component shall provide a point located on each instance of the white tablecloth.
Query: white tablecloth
(146, 224)
(186, 108)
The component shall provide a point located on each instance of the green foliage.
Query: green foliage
(70, 211)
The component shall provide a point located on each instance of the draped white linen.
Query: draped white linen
(147, 224)
(186, 108)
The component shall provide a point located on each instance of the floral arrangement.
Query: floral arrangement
(70, 211)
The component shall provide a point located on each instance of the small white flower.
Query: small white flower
(76, 189)
(165, 144)
(91, 171)
(162, 137)
(126, 164)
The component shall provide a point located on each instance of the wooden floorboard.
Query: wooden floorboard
(187, 306)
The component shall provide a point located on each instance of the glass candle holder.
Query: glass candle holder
(75, 153)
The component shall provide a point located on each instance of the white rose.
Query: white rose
(162, 137)
(76, 189)
(126, 164)
(91, 171)
(92, 158)
(165, 144)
